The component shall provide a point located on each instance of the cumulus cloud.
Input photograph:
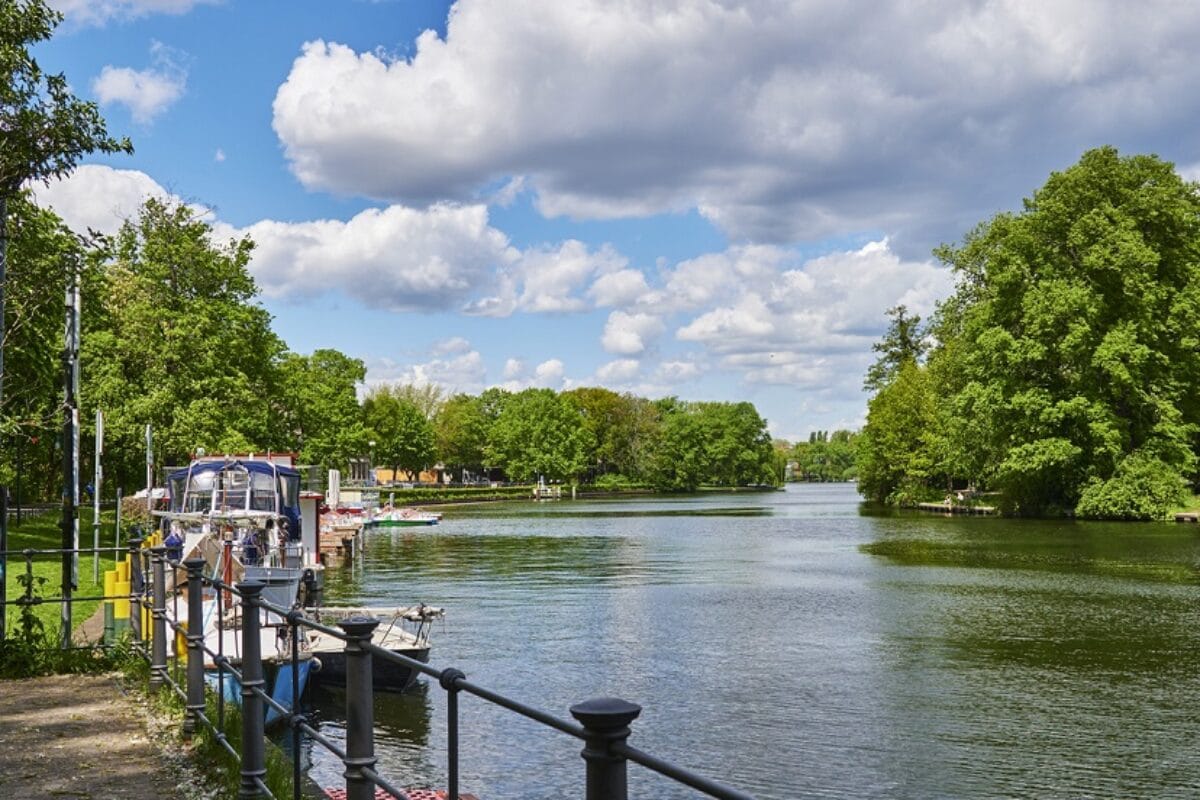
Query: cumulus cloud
(464, 372)
(621, 371)
(630, 334)
(395, 258)
(805, 126)
(98, 12)
(552, 276)
(147, 93)
(814, 319)
(101, 198)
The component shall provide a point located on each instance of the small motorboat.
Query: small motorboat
(402, 518)
(393, 633)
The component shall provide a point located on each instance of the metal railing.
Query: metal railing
(602, 724)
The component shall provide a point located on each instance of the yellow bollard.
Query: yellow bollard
(110, 589)
(121, 609)
(123, 571)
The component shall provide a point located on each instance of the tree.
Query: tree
(538, 433)
(1076, 328)
(903, 342)
(178, 341)
(403, 436)
(460, 429)
(319, 407)
(44, 128)
(895, 462)
(43, 253)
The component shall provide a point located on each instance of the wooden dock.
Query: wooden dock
(1188, 516)
(955, 508)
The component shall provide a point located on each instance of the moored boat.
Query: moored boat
(402, 518)
(391, 634)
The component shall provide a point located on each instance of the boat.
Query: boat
(402, 518)
(243, 516)
(391, 634)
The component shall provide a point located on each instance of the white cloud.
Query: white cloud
(396, 258)
(675, 372)
(465, 372)
(630, 334)
(553, 276)
(146, 93)
(620, 371)
(455, 344)
(219, 156)
(513, 368)
(621, 288)
(805, 127)
(101, 198)
(98, 12)
(549, 374)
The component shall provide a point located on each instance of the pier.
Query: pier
(956, 508)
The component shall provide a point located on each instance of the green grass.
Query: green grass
(43, 532)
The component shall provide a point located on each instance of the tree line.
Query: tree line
(174, 337)
(1064, 371)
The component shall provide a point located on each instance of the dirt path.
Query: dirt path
(78, 736)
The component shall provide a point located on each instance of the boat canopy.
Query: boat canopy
(234, 485)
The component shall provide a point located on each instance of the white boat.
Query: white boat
(402, 518)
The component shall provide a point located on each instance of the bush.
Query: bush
(1142, 488)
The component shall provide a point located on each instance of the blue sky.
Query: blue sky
(716, 200)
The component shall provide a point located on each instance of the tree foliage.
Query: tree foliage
(1067, 363)
(403, 436)
(538, 433)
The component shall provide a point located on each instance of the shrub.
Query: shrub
(1142, 488)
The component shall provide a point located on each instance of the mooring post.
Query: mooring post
(195, 645)
(158, 611)
(137, 589)
(606, 722)
(253, 751)
(360, 709)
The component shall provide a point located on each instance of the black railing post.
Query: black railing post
(360, 709)
(158, 611)
(137, 589)
(253, 750)
(606, 722)
(195, 645)
(449, 680)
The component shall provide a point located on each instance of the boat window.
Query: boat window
(290, 490)
(262, 492)
(200, 492)
(177, 486)
(234, 490)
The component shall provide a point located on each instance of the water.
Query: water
(973, 658)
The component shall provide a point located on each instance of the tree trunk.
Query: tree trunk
(3, 282)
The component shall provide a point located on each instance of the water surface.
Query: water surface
(794, 645)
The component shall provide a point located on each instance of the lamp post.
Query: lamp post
(371, 462)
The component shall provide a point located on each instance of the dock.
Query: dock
(956, 508)
(1188, 516)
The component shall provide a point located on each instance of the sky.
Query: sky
(710, 199)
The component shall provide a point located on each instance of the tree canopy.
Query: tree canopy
(1066, 367)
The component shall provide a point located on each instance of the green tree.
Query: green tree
(894, 459)
(681, 458)
(319, 410)
(403, 436)
(175, 338)
(1073, 333)
(538, 433)
(737, 445)
(903, 342)
(460, 429)
(44, 128)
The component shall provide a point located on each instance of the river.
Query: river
(771, 650)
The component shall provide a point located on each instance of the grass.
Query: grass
(43, 532)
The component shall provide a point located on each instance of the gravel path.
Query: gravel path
(80, 736)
